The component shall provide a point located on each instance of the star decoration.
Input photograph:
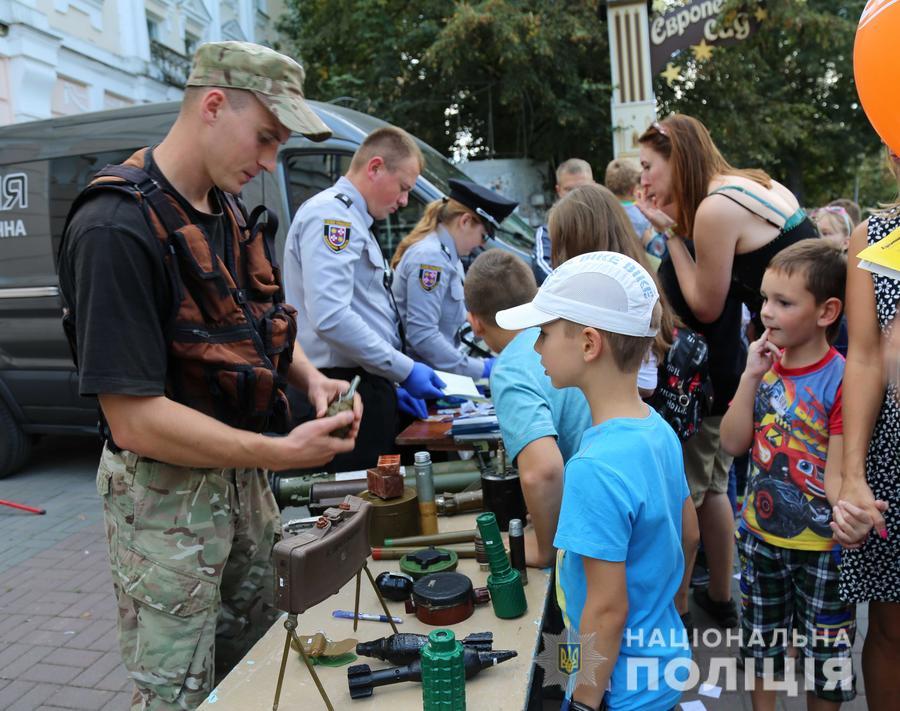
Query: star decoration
(588, 660)
(761, 14)
(660, 7)
(702, 52)
(672, 73)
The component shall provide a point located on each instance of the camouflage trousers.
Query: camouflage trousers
(190, 551)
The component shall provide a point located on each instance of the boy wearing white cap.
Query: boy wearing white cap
(620, 558)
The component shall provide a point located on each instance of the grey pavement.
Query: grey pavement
(57, 613)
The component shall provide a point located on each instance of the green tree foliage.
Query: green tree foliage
(785, 100)
(502, 78)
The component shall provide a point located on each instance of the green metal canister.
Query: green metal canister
(443, 673)
(504, 582)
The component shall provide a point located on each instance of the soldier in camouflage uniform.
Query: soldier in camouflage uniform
(177, 321)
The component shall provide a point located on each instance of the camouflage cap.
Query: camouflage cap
(275, 79)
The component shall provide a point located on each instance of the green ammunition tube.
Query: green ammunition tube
(504, 581)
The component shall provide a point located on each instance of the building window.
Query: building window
(153, 28)
(191, 42)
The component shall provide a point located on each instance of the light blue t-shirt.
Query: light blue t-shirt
(622, 500)
(528, 407)
(638, 221)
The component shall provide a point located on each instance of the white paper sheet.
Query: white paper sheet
(710, 690)
(459, 386)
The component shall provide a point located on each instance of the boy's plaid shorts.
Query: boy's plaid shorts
(788, 594)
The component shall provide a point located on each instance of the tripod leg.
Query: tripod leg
(380, 598)
(312, 672)
(284, 656)
(356, 604)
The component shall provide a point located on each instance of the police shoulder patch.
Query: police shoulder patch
(429, 276)
(337, 234)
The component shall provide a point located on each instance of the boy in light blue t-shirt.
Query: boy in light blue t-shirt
(625, 496)
(541, 425)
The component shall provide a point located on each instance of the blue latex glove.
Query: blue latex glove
(488, 367)
(423, 382)
(411, 405)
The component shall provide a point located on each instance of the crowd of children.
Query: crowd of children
(612, 499)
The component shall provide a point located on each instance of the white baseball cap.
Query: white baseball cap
(605, 290)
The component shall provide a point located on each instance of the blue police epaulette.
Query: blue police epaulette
(346, 199)
(445, 250)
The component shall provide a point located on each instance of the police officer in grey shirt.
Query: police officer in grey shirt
(336, 277)
(428, 283)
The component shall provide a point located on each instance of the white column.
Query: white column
(247, 18)
(213, 33)
(134, 41)
(633, 102)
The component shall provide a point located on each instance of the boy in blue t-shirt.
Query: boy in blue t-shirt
(625, 496)
(541, 426)
(788, 408)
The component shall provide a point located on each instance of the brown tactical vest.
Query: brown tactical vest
(230, 335)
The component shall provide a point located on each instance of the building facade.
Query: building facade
(61, 57)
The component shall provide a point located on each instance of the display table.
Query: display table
(435, 437)
(251, 684)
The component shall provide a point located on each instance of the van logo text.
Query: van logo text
(13, 191)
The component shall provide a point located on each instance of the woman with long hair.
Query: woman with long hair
(722, 225)
(428, 283)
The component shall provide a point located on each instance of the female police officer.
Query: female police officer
(428, 284)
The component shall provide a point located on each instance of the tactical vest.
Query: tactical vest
(230, 335)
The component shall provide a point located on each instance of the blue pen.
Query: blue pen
(348, 615)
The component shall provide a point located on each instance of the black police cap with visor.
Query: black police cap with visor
(491, 207)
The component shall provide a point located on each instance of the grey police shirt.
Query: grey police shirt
(428, 287)
(334, 276)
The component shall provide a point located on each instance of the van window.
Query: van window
(24, 228)
(309, 173)
(68, 176)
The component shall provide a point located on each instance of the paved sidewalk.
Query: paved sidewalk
(58, 647)
(57, 614)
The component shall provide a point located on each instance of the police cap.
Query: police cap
(491, 207)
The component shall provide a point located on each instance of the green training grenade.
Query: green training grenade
(342, 403)
(504, 582)
(443, 673)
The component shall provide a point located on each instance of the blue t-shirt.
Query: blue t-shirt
(528, 407)
(622, 500)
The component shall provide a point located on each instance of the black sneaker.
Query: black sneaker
(724, 614)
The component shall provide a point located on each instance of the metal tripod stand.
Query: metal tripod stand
(290, 624)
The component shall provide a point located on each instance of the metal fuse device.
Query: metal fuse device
(425, 490)
(504, 582)
(517, 548)
(343, 403)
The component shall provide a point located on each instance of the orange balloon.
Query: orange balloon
(876, 68)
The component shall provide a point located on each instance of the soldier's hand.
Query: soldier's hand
(312, 443)
(321, 391)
